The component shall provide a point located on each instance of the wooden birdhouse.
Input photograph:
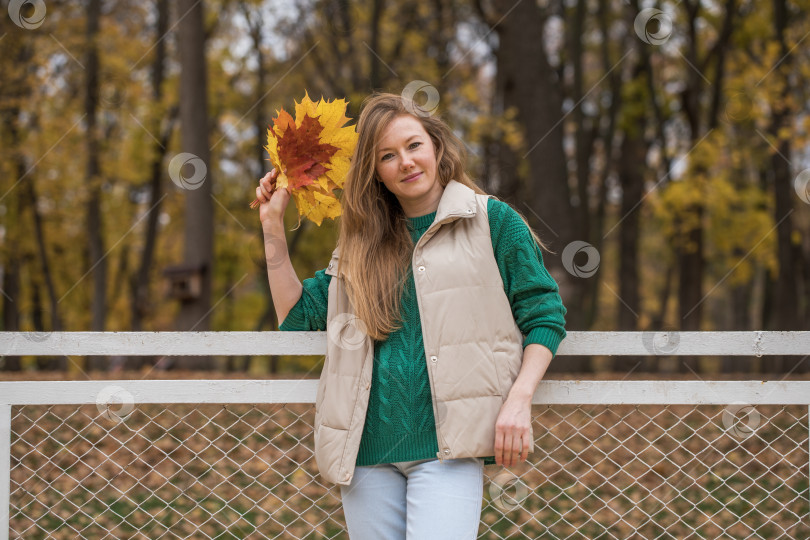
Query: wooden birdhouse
(183, 282)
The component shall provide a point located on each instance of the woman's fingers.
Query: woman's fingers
(507, 447)
(266, 187)
(267, 182)
(523, 449)
(528, 443)
(269, 179)
(498, 446)
(508, 454)
(511, 447)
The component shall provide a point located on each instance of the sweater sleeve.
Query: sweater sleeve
(533, 294)
(309, 313)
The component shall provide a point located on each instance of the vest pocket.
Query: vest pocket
(465, 370)
(329, 446)
(507, 365)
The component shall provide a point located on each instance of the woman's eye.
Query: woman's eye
(412, 145)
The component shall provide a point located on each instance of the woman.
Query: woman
(441, 320)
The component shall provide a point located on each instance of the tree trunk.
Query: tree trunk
(701, 120)
(526, 81)
(631, 176)
(738, 311)
(140, 281)
(767, 364)
(690, 276)
(786, 313)
(18, 50)
(607, 137)
(42, 253)
(11, 288)
(741, 297)
(94, 224)
(199, 213)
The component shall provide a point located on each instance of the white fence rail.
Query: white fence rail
(301, 343)
(232, 458)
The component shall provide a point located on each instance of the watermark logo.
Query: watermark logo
(507, 491)
(802, 185)
(661, 343)
(590, 266)
(412, 89)
(347, 331)
(733, 416)
(31, 20)
(272, 253)
(37, 337)
(653, 26)
(182, 161)
(114, 403)
(112, 92)
(739, 107)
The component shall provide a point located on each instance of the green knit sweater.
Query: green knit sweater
(400, 425)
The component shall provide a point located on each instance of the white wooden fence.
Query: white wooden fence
(231, 458)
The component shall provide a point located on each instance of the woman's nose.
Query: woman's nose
(407, 162)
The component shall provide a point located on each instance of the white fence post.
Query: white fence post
(5, 469)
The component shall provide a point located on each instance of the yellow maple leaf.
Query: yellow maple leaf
(312, 154)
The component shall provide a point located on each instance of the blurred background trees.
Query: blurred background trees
(661, 151)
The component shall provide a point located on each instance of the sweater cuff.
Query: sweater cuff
(295, 320)
(546, 336)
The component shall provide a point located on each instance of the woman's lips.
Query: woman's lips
(412, 177)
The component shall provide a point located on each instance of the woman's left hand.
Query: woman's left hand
(513, 431)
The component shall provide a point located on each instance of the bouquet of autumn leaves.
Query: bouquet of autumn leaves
(311, 154)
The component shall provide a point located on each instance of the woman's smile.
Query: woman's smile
(412, 177)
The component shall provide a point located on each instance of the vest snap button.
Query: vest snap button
(433, 359)
(421, 268)
(469, 210)
(446, 451)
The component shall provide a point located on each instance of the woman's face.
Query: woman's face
(406, 163)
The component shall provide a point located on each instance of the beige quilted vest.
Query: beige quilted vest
(473, 345)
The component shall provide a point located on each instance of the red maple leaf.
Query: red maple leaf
(300, 149)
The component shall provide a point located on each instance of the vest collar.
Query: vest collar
(457, 200)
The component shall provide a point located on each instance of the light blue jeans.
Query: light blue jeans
(415, 500)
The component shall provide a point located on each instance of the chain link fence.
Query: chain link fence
(181, 470)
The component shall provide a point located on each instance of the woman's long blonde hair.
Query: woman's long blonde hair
(374, 241)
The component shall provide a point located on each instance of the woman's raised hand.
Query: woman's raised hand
(272, 201)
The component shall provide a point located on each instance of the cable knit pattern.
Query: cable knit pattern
(400, 425)
(532, 292)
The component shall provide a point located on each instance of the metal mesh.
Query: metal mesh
(241, 471)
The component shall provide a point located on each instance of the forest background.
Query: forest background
(660, 149)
